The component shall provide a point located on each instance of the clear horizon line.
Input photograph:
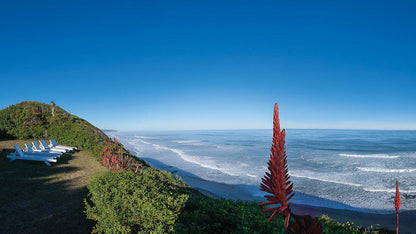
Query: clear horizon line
(228, 129)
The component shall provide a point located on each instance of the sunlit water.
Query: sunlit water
(353, 167)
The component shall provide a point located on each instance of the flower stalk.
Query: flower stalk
(277, 181)
(397, 206)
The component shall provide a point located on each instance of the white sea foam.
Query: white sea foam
(385, 170)
(138, 150)
(191, 159)
(145, 142)
(146, 137)
(326, 180)
(190, 142)
(388, 190)
(386, 156)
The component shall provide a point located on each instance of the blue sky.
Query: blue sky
(166, 65)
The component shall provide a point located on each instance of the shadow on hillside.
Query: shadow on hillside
(35, 197)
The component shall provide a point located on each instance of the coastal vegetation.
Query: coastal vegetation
(116, 158)
(123, 202)
(126, 195)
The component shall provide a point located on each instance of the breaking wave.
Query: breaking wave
(389, 190)
(385, 156)
(326, 180)
(189, 158)
(385, 170)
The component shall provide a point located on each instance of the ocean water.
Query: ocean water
(350, 169)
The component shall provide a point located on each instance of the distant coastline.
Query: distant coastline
(109, 130)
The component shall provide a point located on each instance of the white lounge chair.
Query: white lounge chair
(37, 147)
(55, 144)
(29, 150)
(43, 145)
(19, 155)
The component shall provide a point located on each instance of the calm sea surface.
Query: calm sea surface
(353, 169)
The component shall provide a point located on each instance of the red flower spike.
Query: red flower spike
(397, 205)
(397, 198)
(276, 181)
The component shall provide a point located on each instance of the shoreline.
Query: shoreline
(361, 218)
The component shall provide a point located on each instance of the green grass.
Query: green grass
(35, 197)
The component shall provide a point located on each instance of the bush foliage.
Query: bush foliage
(123, 202)
(206, 215)
(157, 202)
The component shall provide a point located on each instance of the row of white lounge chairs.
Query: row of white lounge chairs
(41, 151)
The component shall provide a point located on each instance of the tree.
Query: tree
(53, 108)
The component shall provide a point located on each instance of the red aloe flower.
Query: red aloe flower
(113, 160)
(397, 206)
(276, 181)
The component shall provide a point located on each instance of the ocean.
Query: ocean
(343, 169)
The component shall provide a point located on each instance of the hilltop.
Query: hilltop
(34, 120)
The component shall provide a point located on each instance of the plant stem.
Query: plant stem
(397, 222)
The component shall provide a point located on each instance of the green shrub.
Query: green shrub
(206, 215)
(331, 226)
(124, 202)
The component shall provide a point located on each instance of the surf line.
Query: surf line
(383, 170)
(384, 156)
(326, 180)
(189, 158)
